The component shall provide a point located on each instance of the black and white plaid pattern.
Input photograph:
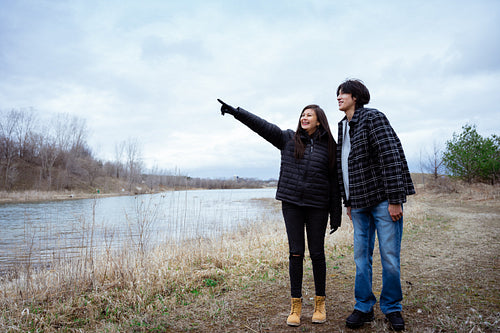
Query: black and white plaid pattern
(378, 169)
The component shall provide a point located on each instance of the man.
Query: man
(374, 181)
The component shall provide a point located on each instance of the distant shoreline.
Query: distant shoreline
(39, 196)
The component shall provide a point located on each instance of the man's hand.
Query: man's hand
(226, 108)
(349, 212)
(396, 211)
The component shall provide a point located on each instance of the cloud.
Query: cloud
(153, 70)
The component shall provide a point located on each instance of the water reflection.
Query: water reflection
(61, 229)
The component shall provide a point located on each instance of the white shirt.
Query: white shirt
(346, 149)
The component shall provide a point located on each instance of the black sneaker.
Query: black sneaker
(358, 318)
(396, 320)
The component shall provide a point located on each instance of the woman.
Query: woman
(309, 192)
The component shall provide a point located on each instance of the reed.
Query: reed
(120, 284)
(72, 291)
(201, 283)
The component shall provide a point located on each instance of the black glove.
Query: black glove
(226, 108)
(335, 222)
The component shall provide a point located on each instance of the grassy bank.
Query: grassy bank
(239, 283)
(130, 289)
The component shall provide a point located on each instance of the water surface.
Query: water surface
(58, 229)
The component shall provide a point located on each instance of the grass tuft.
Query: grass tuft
(239, 281)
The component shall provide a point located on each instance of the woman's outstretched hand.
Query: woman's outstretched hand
(226, 108)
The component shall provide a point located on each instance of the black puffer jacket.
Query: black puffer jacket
(307, 181)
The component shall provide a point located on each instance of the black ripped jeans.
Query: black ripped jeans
(314, 221)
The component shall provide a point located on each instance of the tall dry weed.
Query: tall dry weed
(119, 288)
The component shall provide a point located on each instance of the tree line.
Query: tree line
(467, 156)
(52, 154)
(473, 158)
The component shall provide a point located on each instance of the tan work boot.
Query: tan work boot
(294, 317)
(319, 315)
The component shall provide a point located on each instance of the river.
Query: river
(42, 231)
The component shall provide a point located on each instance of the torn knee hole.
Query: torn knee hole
(296, 256)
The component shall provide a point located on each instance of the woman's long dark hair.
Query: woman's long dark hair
(323, 123)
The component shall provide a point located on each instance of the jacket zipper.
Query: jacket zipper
(308, 160)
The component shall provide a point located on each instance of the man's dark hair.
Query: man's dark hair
(357, 89)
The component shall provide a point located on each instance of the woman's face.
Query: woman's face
(309, 121)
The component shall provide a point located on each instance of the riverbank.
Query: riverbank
(37, 196)
(239, 282)
(115, 188)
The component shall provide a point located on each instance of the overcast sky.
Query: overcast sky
(153, 70)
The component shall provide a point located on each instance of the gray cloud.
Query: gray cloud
(154, 69)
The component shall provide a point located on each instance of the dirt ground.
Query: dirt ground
(450, 273)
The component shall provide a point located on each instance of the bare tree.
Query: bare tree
(134, 162)
(71, 133)
(8, 146)
(432, 163)
(24, 133)
(119, 158)
(79, 133)
(435, 161)
(48, 155)
(53, 142)
(154, 177)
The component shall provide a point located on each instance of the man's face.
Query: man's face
(346, 101)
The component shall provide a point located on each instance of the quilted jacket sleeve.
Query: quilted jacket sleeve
(265, 129)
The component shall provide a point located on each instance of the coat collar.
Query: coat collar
(355, 117)
(318, 134)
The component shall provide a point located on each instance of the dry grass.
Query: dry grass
(239, 282)
(24, 196)
(36, 196)
(133, 290)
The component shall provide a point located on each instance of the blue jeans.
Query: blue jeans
(366, 221)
